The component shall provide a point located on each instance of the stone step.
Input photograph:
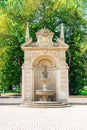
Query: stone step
(46, 105)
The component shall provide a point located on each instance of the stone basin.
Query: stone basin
(44, 94)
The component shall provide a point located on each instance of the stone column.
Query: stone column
(58, 85)
(31, 84)
(67, 93)
(25, 84)
(64, 85)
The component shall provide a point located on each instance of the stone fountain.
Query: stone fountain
(45, 94)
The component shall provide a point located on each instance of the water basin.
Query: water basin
(45, 95)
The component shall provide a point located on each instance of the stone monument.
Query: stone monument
(44, 58)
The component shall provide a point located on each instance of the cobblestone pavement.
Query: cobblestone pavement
(24, 118)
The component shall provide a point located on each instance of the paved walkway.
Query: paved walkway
(23, 118)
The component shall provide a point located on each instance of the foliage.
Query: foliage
(11, 93)
(83, 91)
(77, 70)
(40, 13)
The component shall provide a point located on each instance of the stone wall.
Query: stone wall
(18, 100)
(13, 100)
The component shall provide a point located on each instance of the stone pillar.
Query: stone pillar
(58, 84)
(31, 84)
(64, 94)
(67, 85)
(23, 83)
(26, 84)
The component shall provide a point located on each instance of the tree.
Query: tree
(51, 14)
(39, 14)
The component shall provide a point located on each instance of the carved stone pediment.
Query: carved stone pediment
(44, 32)
(44, 40)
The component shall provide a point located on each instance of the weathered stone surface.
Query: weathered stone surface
(44, 51)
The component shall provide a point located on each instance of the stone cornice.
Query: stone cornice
(50, 48)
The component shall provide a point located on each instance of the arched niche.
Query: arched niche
(37, 68)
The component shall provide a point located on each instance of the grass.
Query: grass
(83, 92)
(11, 93)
